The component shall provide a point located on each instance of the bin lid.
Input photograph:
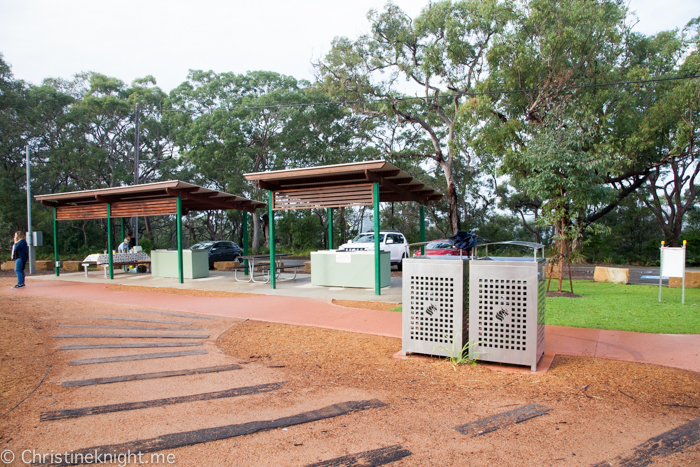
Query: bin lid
(533, 245)
(522, 259)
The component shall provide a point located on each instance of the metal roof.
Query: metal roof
(395, 184)
(194, 198)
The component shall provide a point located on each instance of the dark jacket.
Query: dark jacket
(21, 251)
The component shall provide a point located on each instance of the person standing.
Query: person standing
(20, 253)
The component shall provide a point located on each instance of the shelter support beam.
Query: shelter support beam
(179, 240)
(109, 243)
(55, 242)
(245, 240)
(271, 228)
(330, 228)
(422, 229)
(377, 252)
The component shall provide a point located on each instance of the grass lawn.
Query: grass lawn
(626, 308)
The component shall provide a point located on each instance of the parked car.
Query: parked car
(219, 251)
(442, 248)
(393, 242)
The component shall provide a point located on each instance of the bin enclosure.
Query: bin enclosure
(435, 315)
(506, 311)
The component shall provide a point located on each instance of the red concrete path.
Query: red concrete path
(673, 350)
(272, 308)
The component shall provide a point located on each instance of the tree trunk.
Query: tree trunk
(255, 244)
(85, 241)
(343, 230)
(453, 201)
(324, 227)
(672, 237)
(455, 223)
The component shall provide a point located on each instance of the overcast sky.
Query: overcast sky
(165, 38)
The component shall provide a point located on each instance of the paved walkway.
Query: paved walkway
(673, 350)
(225, 281)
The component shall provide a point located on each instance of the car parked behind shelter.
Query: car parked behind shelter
(219, 251)
(393, 242)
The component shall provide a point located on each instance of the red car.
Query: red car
(442, 247)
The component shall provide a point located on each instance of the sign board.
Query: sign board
(673, 265)
(672, 262)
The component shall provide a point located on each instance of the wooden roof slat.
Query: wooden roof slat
(395, 184)
(413, 196)
(317, 171)
(193, 197)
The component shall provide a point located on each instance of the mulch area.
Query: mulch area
(23, 354)
(598, 405)
(353, 359)
(601, 408)
(176, 291)
(380, 306)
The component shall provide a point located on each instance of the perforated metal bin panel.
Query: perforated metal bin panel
(435, 305)
(506, 311)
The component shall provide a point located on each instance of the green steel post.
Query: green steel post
(271, 227)
(55, 242)
(245, 240)
(179, 239)
(422, 229)
(330, 228)
(109, 243)
(123, 234)
(377, 253)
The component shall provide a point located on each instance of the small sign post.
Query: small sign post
(673, 265)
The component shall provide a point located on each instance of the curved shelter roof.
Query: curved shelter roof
(342, 185)
(150, 199)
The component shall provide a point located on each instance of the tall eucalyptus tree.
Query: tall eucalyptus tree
(442, 52)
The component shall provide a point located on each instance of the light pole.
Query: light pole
(30, 242)
(136, 171)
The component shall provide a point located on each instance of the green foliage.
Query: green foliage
(627, 308)
(442, 50)
(633, 237)
(460, 356)
(613, 167)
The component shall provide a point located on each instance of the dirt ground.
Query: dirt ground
(600, 408)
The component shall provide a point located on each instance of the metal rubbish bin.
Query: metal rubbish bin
(435, 295)
(506, 310)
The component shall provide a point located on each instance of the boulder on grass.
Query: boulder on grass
(552, 271)
(692, 280)
(224, 265)
(8, 266)
(72, 266)
(307, 267)
(614, 275)
(44, 265)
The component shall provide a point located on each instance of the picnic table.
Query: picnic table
(118, 259)
(251, 266)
